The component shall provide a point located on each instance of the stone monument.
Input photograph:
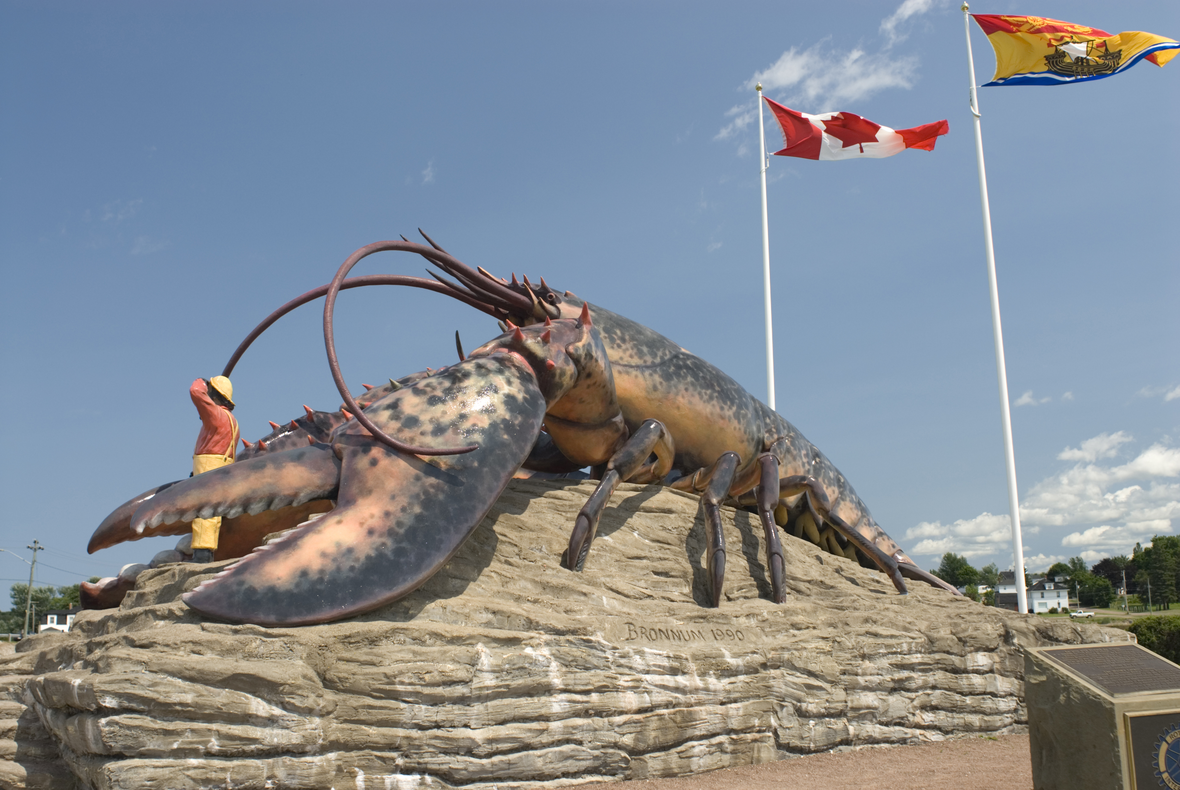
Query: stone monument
(507, 671)
(1103, 717)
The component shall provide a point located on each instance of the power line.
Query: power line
(63, 570)
(47, 565)
(35, 547)
(68, 554)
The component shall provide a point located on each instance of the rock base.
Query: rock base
(507, 671)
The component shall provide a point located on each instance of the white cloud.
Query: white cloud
(1027, 399)
(428, 173)
(819, 80)
(1067, 396)
(1099, 508)
(904, 11)
(118, 210)
(1097, 543)
(1104, 445)
(1038, 563)
(713, 247)
(145, 246)
(1169, 394)
(977, 537)
(1089, 493)
(1104, 537)
(742, 116)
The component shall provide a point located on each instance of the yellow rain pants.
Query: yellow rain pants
(206, 530)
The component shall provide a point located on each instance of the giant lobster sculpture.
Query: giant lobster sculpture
(386, 490)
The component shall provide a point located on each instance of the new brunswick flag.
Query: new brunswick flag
(1032, 50)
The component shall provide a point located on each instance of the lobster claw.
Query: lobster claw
(116, 528)
(399, 517)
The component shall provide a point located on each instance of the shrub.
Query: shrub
(1159, 634)
(1052, 610)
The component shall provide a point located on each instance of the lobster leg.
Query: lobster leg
(822, 513)
(628, 463)
(715, 482)
(768, 496)
(911, 571)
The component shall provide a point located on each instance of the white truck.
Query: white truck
(1081, 613)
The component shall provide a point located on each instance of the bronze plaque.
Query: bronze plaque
(1119, 669)
(1154, 746)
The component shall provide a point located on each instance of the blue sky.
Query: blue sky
(170, 173)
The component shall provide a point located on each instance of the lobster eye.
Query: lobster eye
(551, 298)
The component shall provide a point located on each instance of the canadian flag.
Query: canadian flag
(842, 135)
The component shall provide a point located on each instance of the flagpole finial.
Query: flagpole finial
(965, 8)
(758, 87)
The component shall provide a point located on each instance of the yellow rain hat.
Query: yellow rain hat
(222, 385)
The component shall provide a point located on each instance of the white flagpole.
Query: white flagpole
(766, 259)
(998, 335)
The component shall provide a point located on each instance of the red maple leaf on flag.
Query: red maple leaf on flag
(851, 129)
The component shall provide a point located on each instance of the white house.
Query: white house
(56, 620)
(1006, 593)
(1048, 594)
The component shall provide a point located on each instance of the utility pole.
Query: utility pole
(1150, 608)
(1126, 608)
(36, 547)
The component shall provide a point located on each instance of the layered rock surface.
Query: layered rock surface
(507, 671)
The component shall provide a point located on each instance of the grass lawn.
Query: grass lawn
(1117, 617)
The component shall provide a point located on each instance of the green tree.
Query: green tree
(972, 592)
(956, 571)
(42, 597)
(1112, 569)
(11, 622)
(989, 598)
(989, 575)
(1143, 585)
(1097, 591)
(1159, 634)
(1159, 564)
(67, 597)
(1058, 569)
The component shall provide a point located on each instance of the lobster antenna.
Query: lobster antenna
(455, 286)
(334, 363)
(430, 241)
(442, 286)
